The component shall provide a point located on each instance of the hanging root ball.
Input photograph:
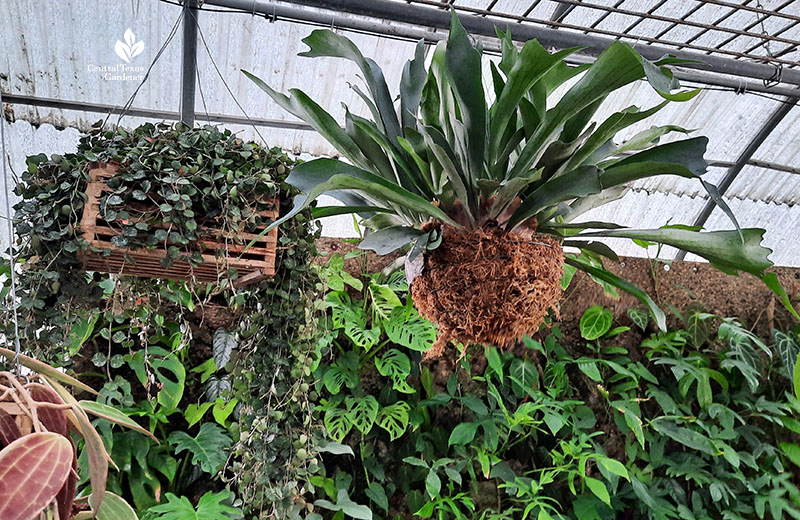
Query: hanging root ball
(488, 286)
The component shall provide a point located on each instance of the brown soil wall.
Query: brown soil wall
(681, 285)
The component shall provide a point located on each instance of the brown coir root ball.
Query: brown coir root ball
(488, 286)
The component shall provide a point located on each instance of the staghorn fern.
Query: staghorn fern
(469, 158)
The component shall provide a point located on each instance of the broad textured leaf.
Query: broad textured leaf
(94, 447)
(169, 372)
(394, 419)
(324, 42)
(338, 423)
(384, 300)
(698, 327)
(387, 240)
(115, 507)
(598, 488)
(209, 507)
(109, 413)
(464, 68)
(9, 431)
(723, 249)
(407, 328)
(52, 419)
(580, 182)
(595, 322)
(217, 386)
(33, 469)
(336, 376)
(320, 176)
(617, 66)
(787, 347)
(362, 412)
(395, 365)
(639, 317)
(224, 342)
(209, 448)
(300, 105)
(685, 436)
(46, 370)
(610, 278)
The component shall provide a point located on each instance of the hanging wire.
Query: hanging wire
(775, 79)
(228, 88)
(10, 222)
(164, 46)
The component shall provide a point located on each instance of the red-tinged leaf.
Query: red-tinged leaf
(66, 495)
(113, 415)
(32, 470)
(52, 419)
(46, 370)
(95, 449)
(9, 431)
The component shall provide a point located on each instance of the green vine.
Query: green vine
(173, 184)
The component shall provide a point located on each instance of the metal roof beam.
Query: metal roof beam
(15, 99)
(97, 108)
(744, 158)
(189, 62)
(437, 18)
(273, 12)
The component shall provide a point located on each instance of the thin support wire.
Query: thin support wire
(10, 223)
(228, 88)
(164, 46)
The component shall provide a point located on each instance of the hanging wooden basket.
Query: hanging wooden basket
(220, 251)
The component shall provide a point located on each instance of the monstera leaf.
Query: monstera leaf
(209, 507)
(209, 448)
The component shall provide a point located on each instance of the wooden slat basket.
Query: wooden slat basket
(253, 265)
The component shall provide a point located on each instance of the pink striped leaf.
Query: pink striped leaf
(32, 471)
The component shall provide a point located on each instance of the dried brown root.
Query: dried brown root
(488, 286)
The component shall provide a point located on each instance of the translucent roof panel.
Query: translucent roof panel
(61, 54)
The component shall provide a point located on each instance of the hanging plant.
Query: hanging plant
(160, 201)
(484, 188)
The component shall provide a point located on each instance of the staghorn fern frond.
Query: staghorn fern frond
(466, 157)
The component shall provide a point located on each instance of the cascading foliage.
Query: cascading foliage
(461, 156)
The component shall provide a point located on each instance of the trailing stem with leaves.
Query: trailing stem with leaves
(457, 168)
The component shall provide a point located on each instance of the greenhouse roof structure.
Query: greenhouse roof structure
(69, 63)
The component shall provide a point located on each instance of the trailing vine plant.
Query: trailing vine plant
(194, 363)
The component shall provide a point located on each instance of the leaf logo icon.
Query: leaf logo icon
(130, 48)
